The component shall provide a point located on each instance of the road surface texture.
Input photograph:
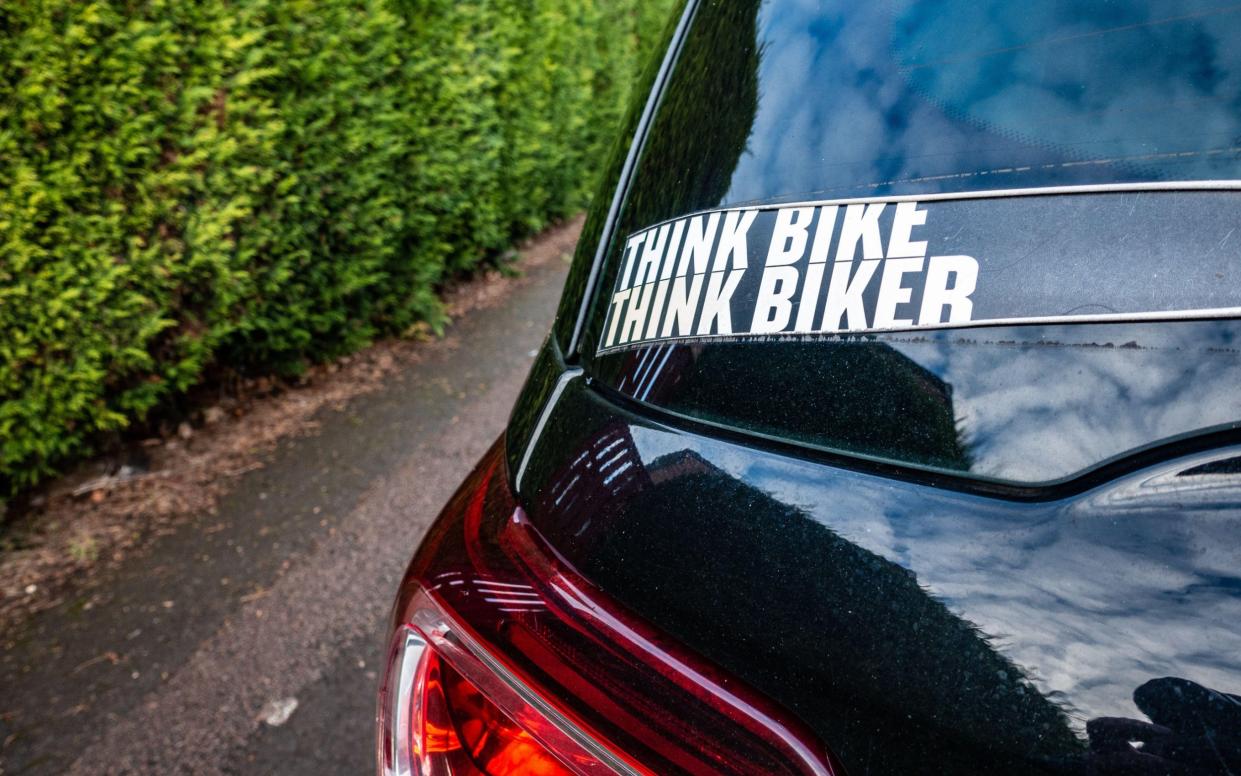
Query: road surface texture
(250, 641)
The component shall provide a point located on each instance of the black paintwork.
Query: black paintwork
(916, 628)
(1031, 585)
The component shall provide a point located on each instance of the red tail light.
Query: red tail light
(507, 661)
(434, 720)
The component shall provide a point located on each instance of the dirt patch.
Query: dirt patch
(111, 507)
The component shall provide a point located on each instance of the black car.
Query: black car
(890, 423)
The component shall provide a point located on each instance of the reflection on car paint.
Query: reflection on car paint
(991, 634)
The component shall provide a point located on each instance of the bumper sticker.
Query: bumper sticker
(820, 269)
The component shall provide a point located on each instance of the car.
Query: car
(890, 422)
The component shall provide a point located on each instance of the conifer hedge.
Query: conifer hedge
(261, 184)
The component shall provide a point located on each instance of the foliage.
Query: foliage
(260, 184)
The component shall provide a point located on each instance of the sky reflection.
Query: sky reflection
(1091, 597)
(1033, 411)
(869, 98)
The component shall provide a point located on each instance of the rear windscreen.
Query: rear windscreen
(837, 231)
(805, 100)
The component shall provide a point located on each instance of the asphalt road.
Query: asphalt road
(280, 597)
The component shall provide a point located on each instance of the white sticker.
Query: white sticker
(745, 273)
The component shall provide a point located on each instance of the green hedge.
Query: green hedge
(258, 184)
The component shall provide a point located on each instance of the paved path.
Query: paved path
(282, 595)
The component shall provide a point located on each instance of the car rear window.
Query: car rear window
(1028, 207)
(793, 99)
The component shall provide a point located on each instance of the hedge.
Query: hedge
(256, 185)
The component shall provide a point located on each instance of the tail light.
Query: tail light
(505, 660)
(435, 720)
